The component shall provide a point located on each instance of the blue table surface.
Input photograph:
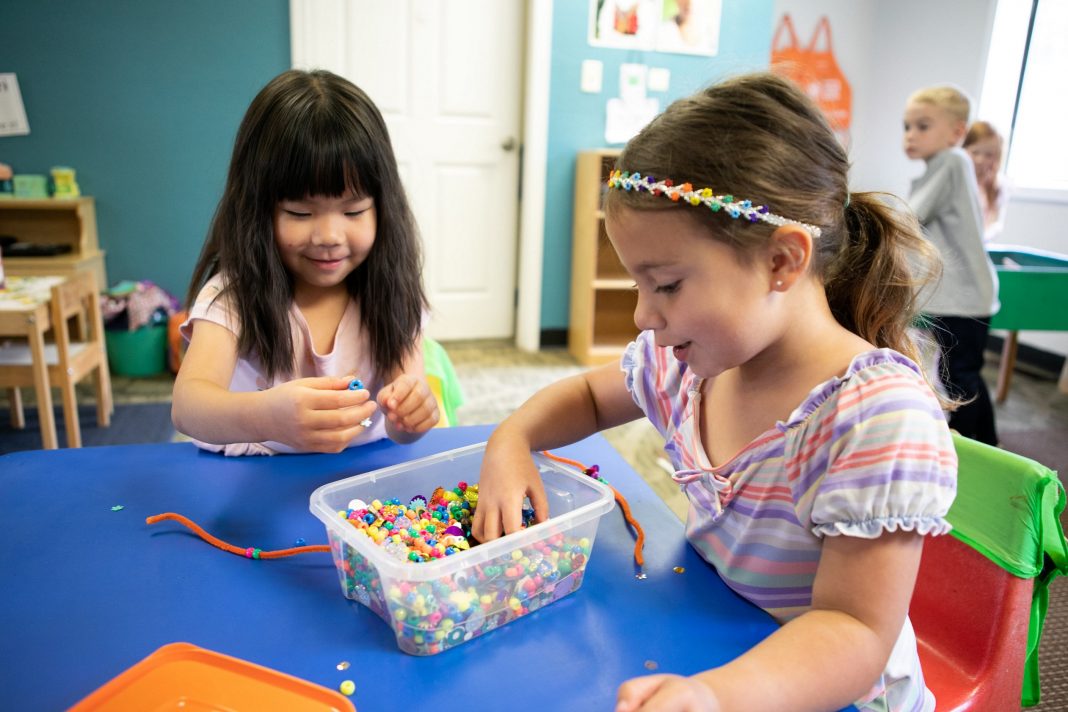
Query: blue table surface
(89, 591)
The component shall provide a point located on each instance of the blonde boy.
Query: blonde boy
(946, 201)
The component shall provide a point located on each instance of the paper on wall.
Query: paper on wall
(13, 120)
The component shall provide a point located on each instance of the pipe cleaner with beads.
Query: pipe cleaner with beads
(705, 196)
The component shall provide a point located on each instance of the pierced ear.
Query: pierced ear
(790, 252)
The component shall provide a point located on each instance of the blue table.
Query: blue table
(88, 592)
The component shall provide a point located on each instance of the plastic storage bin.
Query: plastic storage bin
(435, 605)
(142, 352)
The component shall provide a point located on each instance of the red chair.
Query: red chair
(982, 591)
(971, 618)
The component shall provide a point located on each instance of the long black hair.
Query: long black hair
(313, 133)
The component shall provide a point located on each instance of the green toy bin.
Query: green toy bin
(137, 353)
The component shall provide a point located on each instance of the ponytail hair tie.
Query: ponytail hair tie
(847, 200)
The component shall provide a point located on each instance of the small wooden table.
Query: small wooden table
(25, 313)
(1032, 288)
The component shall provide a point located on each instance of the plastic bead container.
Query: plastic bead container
(436, 605)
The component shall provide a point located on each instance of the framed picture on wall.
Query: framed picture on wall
(681, 26)
(625, 24)
(689, 27)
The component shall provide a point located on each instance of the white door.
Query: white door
(447, 76)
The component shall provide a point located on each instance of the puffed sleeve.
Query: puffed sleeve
(211, 305)
(655, 380)
(882, 460)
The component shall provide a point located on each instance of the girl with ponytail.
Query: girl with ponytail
(776, 358)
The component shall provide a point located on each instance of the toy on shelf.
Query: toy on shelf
(64, 184)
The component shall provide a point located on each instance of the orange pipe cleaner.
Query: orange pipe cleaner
(249, 552)
(639, 533)
(252, 553)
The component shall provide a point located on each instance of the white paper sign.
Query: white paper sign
(623, 120)
(12, 113)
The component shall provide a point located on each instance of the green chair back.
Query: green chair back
(1008, 508)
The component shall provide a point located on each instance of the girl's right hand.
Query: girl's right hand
(508, 475)
(317, 414)
(666, 692)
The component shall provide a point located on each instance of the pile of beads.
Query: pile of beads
(429, 616)
(420, 530)
(432, 614)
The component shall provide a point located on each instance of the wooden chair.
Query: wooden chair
(68, 361)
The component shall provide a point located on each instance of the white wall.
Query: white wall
(889, 49)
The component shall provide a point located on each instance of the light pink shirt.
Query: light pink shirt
(350, 355)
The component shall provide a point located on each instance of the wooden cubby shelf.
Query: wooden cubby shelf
(54, 221)
(602, 293)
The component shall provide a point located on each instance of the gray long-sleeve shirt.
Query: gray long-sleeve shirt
(946, 202)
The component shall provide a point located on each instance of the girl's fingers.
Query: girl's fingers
(635, 691)
(326, 400)
(395, 394)
(326, 383)
(490, 527)
(539, 502)
(338, 418)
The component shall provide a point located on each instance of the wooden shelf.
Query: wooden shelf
(54, 221)
(602, 293)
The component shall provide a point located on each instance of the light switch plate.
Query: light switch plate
(592, 76)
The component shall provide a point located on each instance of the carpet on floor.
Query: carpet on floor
(131, 424)
(1047, 446)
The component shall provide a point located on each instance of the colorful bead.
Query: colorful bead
(463, 602)
(347, 687)
(355, 385)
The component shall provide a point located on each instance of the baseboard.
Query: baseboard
(1030, 359)
(553, 337)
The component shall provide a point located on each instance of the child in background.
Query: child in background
(775, 358)
(984, 144)
(946, 201)
(310, 276)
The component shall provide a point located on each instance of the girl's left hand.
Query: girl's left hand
(666, 692)
(409, 405)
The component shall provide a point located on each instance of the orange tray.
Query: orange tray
(193, 679)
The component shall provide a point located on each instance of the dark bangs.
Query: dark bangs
(322, 150)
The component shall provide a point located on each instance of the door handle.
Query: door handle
(508, 144)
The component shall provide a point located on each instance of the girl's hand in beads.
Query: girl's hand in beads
(316, 414)
(666, 692)
(409, 404)
(507, 477)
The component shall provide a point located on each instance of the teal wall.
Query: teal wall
(143, 100)
(576, 120)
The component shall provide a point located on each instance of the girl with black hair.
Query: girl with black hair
(309, 283)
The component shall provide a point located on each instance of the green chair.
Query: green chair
(443, 381)
(982, 593)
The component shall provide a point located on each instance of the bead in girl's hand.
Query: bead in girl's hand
(356, 385)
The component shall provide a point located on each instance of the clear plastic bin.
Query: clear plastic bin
(436, 605)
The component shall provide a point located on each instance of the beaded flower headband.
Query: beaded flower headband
(726, 203)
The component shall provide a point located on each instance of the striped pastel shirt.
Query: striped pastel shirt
(864, 453)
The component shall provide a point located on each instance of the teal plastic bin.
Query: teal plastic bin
(137, 353)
